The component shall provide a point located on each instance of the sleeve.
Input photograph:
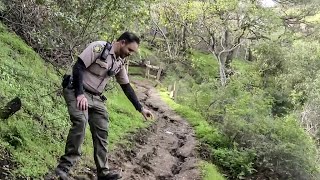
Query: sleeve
(78, 69)
(131, 95)
(91, 53)
(122, 76)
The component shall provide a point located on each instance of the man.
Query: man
(95, 66)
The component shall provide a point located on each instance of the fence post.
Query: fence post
(147, 69)
(175, 92)
(172, 90)
(159, 72)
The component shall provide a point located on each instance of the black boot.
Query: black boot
(110, 176)
(61, 173)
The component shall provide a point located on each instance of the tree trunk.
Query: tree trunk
(184, 41)
(250, 56)
(221, 60)
(12, 107)
(230, 56)
(223, 77)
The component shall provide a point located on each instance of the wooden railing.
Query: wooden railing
(148, 69)
(172, 89)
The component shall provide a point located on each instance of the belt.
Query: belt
(92, 93)
(102, 97)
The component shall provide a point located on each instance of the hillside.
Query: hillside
(243, 78)
(33, 139)
(35, 136)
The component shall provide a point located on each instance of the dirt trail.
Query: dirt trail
(164, 151)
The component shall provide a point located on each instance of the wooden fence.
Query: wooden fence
(158, 69)
(151, 67)
(148, 69)
(173, 90)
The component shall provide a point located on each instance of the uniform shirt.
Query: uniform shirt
(95, 76)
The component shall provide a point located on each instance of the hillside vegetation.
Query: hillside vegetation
(240, 134)
(36, 135)
(247, 76)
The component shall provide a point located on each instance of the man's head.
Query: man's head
(127, 44)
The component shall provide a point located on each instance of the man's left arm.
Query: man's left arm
(131, 95)
(123, 80)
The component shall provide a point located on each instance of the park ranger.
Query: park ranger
(83, 95)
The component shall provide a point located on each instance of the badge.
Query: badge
(97, 48)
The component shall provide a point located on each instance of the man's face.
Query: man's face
(127, 49)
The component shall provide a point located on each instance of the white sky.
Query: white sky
(268, 3)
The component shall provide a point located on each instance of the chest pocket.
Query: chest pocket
(99, 67)
(106, 68)
(116, 67)
(105, 65)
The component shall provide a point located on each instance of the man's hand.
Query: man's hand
(146, 114)
(82, 102)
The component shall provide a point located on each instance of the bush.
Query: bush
(275, 147)
(238, 163)
(243, 136)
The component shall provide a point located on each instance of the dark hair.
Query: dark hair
(129, 37)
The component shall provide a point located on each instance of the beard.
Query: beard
(123, 54)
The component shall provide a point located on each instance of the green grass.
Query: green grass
(36, 144)
(137, 71)
(205, 133)
(210, 172)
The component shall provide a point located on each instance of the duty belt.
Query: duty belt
(102, 97)
(92, 93)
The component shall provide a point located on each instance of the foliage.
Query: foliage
(209, 172)
(252, 98)
(36, 135)
(59, 29)
(251, 143)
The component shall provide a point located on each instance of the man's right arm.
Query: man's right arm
(78, 70)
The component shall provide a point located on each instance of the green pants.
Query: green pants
(97, 117)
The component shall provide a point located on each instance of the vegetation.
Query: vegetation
(247, 77)
(210, 172)
(36, 135)
(245, 137)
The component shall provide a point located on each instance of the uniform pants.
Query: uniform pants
(97, 117)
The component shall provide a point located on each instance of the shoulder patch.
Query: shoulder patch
(97, 48)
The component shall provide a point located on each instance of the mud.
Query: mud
(163, 151)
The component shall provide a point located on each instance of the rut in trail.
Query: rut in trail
(164, 151)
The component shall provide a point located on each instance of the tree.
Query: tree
(223, 26)
(60, 29)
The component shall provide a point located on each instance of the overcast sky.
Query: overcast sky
(268, 3)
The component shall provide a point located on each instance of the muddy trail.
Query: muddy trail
(163, 151)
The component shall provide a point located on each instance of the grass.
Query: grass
(36, 135)
(205, 133)
(137, 71)
(210, 172)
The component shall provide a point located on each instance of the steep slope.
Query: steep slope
(33, 138)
